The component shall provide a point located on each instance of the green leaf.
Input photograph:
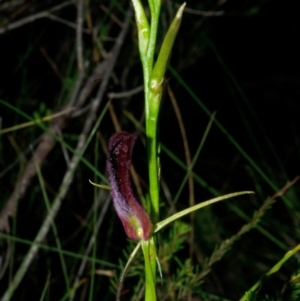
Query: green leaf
(131, 257)
(180, 214)
(163, 57)
(142, 27)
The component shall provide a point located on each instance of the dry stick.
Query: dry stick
(79, 54)
(91, 241)
(80, 66)
(189, 166)
(214, 8)
(65, 22)
(219, 253)
(34, 17)
(172, 210)
(10, 4)
(68, 177)
(114, 117)
(86, 91)
(15, 14)
(79, 47)
(41, 152)
(64, 149)
(112, 16)
(140, 294)
(52, 64)
(125, 94)
(92, 82)
(43, 149)
(204, 13)
(48, 142)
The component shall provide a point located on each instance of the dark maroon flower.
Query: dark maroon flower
(134, 218)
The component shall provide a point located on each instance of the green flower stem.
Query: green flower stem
(147, 41)
(153, 165)
(153, 100)
(153, 87)
(149, 251)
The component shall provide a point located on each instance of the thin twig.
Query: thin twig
(111, 15)
(114, 118)
(79, 46)
(10, 4)
(204, 13)
(16, 13)
(92, 82)
(68, 177)
(45, 146)
(63, 147)
(34, 17)
(79, 53)
(168, 195)
(188, 164)
(215, 8)
(125, 94)
(52, 63)
(65, 22)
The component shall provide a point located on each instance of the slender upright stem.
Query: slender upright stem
(153, 86)
(149, 251)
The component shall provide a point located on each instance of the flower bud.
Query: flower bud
(134, 218)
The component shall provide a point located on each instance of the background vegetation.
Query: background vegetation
(239, 59)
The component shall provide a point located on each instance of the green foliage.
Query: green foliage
(171, 244)
(291, 290)
(180, 277)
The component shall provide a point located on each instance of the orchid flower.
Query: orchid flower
(135, 220)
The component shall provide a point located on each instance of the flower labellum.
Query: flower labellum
(134, 218)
